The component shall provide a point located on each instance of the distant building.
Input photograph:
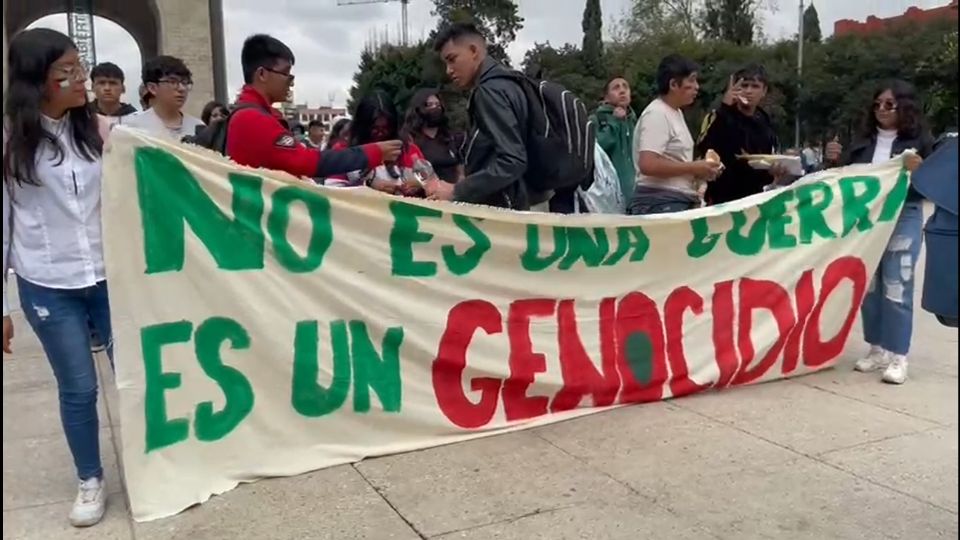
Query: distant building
(875, 24)
(304, 114)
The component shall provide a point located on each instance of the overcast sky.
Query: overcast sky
(327, 39)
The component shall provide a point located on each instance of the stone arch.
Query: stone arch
(189, 29)
(140, 18)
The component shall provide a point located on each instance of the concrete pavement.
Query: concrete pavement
(835, 455)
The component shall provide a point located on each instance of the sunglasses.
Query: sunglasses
(885, 106)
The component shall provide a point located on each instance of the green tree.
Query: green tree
(497, 19)
(564, 66)
(839, 74)
(593, 39)
(730, 20)
(651, 19)
(811, 25)
(399, 72)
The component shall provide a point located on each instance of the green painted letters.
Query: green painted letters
(169, 196)
(752, 242)
(160, 431)
(321, 236)
(531, 259)
(703, 240)
(896, 198)
(856, 206)
(373, 371)
(582, 244)
(405, 233)
(629, 240)
(810, 211)
(209, 425)
(774, 211)
(307, 396)
(463, 264)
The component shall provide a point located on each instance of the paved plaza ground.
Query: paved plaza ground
(834, 455)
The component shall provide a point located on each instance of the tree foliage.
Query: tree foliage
(838, 74)
(565, 66)
(650, 20)
(593, 38)
(811, 25)
(499, 20)
(730, 20)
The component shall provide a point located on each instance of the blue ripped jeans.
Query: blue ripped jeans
(887, 310)
(61, 319)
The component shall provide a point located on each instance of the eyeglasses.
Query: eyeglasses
(885, 106)
(77, 73)
(186, 84)
(290, 76)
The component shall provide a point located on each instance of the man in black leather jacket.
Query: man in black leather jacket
(494, 153)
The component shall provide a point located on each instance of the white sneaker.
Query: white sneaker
(876, 359)
(896, 372)
(91, 503)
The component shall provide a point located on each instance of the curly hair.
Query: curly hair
(910, 123)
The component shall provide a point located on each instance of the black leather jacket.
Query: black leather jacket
(861, 151)
(494, 153)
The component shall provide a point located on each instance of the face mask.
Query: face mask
(433, 117)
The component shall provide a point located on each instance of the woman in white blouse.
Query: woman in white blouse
(51, 235)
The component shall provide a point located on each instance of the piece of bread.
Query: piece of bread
(713, 156)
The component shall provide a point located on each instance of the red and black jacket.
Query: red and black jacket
(257, 137)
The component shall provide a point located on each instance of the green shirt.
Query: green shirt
(615, 137)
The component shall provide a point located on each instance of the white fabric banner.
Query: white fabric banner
(268, 327)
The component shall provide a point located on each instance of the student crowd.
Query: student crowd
(53, 141)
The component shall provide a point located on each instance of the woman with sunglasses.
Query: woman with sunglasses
(52, 145)
(894, 124)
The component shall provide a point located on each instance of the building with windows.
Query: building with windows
(875, 24)
(304, 114)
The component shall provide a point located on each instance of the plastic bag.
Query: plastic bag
(604, 195)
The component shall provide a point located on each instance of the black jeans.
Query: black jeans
(648, 200)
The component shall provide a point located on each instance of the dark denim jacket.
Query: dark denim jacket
(862, 152)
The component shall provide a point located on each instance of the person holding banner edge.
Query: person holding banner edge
(894, 124)
(53, 141)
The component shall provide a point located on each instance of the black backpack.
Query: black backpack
(560, 136)
(214, 136)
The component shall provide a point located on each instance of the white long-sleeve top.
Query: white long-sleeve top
(51, 232)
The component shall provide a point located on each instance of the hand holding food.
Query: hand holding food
(833, 150)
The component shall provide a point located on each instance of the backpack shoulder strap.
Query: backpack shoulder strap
(243, 106)
(225, 130)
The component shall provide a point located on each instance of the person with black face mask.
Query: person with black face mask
(426, 126)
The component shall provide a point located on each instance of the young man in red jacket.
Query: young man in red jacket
(257, 136)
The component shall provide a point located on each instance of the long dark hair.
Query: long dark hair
(30, 57)
(413, 122)
(336, 132)
(910, 122)
(368, 110)
(209, 109)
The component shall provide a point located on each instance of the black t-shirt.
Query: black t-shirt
(442, 155)
(731, 133)
(124, 110)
